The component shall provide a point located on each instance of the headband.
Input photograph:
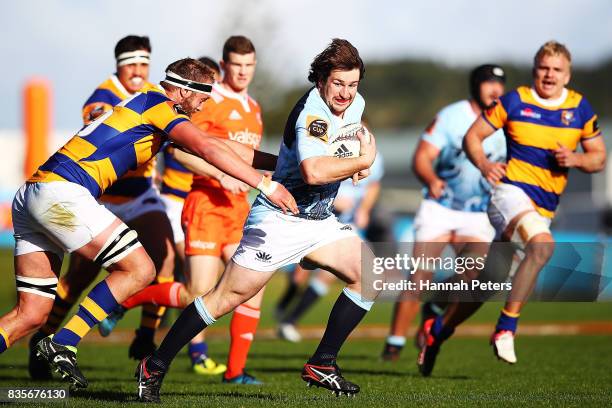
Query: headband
(179, 81)
(133, 57)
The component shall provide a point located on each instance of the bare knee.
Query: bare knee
(144, 272)
(540, 249)
(33, 314)
(352, 275)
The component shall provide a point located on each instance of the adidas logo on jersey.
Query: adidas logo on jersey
(234, 115)
(342, 152)
(263, 257)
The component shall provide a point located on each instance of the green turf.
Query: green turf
(552, 371)
(380, 314)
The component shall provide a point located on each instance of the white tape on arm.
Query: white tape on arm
(267, 186)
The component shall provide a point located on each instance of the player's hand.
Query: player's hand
(277, 194)
(95, 114)
(367, 150)
(360, 175)
(493, 171)
(436, 188)
(282, 198)
(233, 185)
(566, 157)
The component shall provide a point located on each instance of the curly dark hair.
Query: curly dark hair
(340, 54)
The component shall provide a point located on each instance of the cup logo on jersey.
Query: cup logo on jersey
(567, 117)
(317, 127)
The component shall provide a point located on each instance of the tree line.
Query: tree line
(408, 93)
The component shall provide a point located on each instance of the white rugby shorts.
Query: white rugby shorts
(508, 201)
(271, 239)
(174, 209)
(433, 220)
(59, 217)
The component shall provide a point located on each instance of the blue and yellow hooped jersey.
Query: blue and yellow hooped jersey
(533, 130)
(176, 179)
(121, 140)
(135, 182)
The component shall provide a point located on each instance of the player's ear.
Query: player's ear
(184, 93)
(319, 85)
(569, 77)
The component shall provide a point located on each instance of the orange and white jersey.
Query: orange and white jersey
(231, 116)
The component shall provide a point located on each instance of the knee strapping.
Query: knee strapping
(46, 287)
(121, 242)
(530, 225)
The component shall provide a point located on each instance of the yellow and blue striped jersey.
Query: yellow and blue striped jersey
(176, 179)
(120, 140)
(533, 130)
(135, 182)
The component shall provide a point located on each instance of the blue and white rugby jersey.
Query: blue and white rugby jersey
(306, 135)
(356, 193)
(466, 189)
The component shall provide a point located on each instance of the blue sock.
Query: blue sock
(197, 350)
(506, 322)
(93, 309)
(441, 332)
(4, 341)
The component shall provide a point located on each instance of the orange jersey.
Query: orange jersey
(230, 116)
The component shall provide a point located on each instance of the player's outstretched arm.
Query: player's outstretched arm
(225, 159)
(472, 144)
(195, 164)
(320, 170)
(256, 158)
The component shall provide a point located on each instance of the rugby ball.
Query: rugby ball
(344, 143)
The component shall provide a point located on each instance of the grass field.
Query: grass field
(553, 370)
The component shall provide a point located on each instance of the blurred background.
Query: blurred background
(417, 56)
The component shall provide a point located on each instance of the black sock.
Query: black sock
(287, 297)
(188, 324)
(306, 301)
(344, 317)
(145, 333)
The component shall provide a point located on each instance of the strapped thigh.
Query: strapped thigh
(119, 244)
(530, 225)
(46, 287)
